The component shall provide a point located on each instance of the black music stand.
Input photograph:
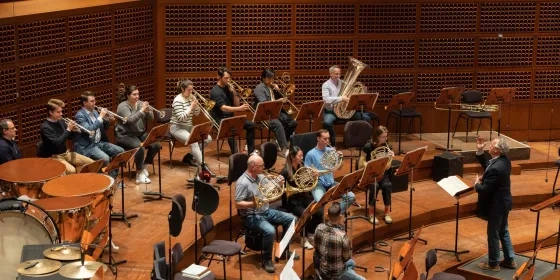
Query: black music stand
(448, 96)
(397, 102)
(458, 195)
(117, 162)
(267, 111)
(500, 96)
(373, 172)
(360, 101)
(199, 133)
(205, 202)
(229, 128)
(310, 110)
(157, 134)
(411, 160)
(301, 226)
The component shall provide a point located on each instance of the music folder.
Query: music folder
(268, 110)
(157, 134)
(455, 186)
(367, 100)
(310, 110)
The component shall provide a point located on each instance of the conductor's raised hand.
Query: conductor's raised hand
(480, 143)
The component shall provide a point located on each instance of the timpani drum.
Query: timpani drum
(27, 176)
(71, 215)
(22, 223)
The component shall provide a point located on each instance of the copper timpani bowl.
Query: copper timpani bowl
(26, 176)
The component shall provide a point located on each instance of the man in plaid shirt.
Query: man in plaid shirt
(333, 251)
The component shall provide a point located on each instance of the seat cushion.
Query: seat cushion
(447, 276)
(407, 113)
(222, 247)
(478, 115)
(557, 162)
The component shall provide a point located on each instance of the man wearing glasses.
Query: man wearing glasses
(9, 150)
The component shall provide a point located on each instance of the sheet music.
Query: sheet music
(286, 239)
(452, 185)
(288, 273)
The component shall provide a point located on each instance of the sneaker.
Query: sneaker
(373, 219)
(145, 172)
(388, 219)
(141, 179)
(121, 185)
(486, 266)
(305, 244)
(506, 264)
(269, 266)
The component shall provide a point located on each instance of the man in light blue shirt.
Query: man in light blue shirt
(326, 181)
(330, 89)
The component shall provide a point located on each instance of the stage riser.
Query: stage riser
(471, 270)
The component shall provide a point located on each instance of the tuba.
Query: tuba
(348, 88)
(270, 189)
(306, 179)
(383, 151)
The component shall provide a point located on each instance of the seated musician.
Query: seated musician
(333, 252)
(227, 102)
(131, 134)
(185, 106)
(326, 181)
(285, 125)
(298, 202)
(379, 139)
(54, 133)
(330, 91)
(264, 219)
(9, 149)
(98, 146)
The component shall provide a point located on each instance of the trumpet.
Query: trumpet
(306, 179)
(287, 90)
(270, 189)
(245, 93)
(91, 133)
(462, 107)
(207, 105)
(112, 114)
(160, 113)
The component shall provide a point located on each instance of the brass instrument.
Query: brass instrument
(331, 159)
(306, 179)
(112, 114)
(383, 151)
(91, 133)
(270, 189)
(463, 107)
(348, 88)
(160, 113)
(207, 105)
(245, 93)
(287, 90)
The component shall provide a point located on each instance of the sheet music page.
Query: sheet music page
(452, 185)
(288, 273)
(286, 240)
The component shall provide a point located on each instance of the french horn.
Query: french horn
(269, 188)
(383, 151)
(306, 179)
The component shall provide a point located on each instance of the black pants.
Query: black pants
(250, 128)
(289, 125)
(131, 142)
(297, 205)
(386, 189)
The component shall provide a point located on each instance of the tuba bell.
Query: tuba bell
(270, 190)
(348, 88)
(383, 151)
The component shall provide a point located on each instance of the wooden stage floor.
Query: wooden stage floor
(432, 206)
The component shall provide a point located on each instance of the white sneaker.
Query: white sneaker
(307, 245)
(145, 172)
(141, 179)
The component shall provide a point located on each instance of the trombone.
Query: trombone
(207, 105)
(112, 114)
(462, 107)
(287, 90)
(245, 93)
(91, 133)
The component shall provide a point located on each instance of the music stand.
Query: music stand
(205, 202)
(198, 134)
(397, 102)
(267, 111)
(310, 110)
(360, 101)
(499, 96)
(411, 160)
(229, 128)
(157, 134)
(93, 167)
(373, 172)
(448, 96)
(118, 162)
(301, 226)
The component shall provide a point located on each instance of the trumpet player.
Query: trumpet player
(97, 146)
(227, 102)
(184, 107)
(54, 133)
(380, 135)
(260, 220)
(285, 125)
(132, 133)
(298, 202)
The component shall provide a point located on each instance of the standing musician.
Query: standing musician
(98, 146)
(333, 254)
(494, 189)
(260, 220)
(298, 202)
(132, 133)
(379, 139)
(54, 133)
(185, 106)
(227, 103)
(9, 149)
(330, 90)
(326, 181)
(285, 125)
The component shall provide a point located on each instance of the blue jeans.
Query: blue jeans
(497, 231)
(264, 223)
(319, 191)
(104, 150)
(329, 117)
(348, 274)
